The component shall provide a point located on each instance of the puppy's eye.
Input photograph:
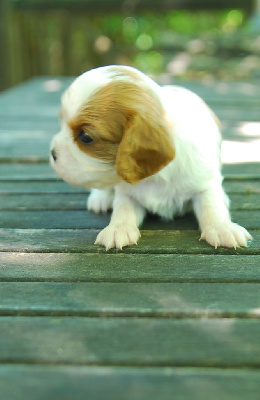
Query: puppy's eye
(84, 137)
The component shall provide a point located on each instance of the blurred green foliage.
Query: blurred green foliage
(177, 44)
(182, 43)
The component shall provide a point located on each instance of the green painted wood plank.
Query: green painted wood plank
(241, 130)
(50, 201)
(226, 92)
(47, 118)
(29, 171)
(44, 201)
(244, 170)
(245, 202)
(53, 219)
(83, 219)
(131, 341)
(234, 113)
(28, 139)
(77, 201)
(124, 383)
(30, 124)
(36, 143)
(231, 185)
(174, 300)
(242, 186)
(38, 186)
(48, 109)
(36, 90)
(244, 131)
(37, 150)
(31, 150)
(48, 121)
(33, 171)
(81, 241)
(121, 267)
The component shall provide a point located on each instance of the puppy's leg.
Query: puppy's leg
(211, 209)
(123, 228)
(100, 201)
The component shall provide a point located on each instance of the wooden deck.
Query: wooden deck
(168, 319)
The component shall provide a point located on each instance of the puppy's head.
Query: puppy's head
(113, 127)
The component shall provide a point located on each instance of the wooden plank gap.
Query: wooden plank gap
(129, 314)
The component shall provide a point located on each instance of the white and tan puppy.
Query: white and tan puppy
(142, 147)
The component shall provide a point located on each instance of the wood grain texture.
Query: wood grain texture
(82, 241)
(125, 383)
(130, 341)
(83, 219)
(178, 300)
(122, 267)
(169, 318)
(33, 171)
(232, 185)
(77, 201)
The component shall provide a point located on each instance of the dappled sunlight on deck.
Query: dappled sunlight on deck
(235, 152)
(171, 314)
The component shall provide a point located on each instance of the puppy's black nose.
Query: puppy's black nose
(54, 154)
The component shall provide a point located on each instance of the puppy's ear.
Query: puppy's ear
(145, 148)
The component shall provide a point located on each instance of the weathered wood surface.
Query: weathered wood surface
(73, 382)
(77, 201)
(169, 318)
(131, 341)
(179, 300)
(122, 267)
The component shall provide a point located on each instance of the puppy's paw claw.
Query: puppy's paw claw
(118, 236)
(226, 235)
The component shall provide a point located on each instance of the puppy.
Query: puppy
(142, 147)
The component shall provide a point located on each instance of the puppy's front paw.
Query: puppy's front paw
(118, 236)
(100, 201)
(226, 235)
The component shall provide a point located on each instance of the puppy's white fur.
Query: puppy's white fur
(192, 178)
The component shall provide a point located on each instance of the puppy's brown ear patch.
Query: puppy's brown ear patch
(145, 148)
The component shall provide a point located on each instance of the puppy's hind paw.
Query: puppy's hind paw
(118, 236)
(226, 235)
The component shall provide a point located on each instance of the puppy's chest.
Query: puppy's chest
(162, 200)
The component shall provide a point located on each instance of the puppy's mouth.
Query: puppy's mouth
(97, 176)
(53, 155)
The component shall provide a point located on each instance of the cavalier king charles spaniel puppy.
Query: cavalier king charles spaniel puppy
(142, 147)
